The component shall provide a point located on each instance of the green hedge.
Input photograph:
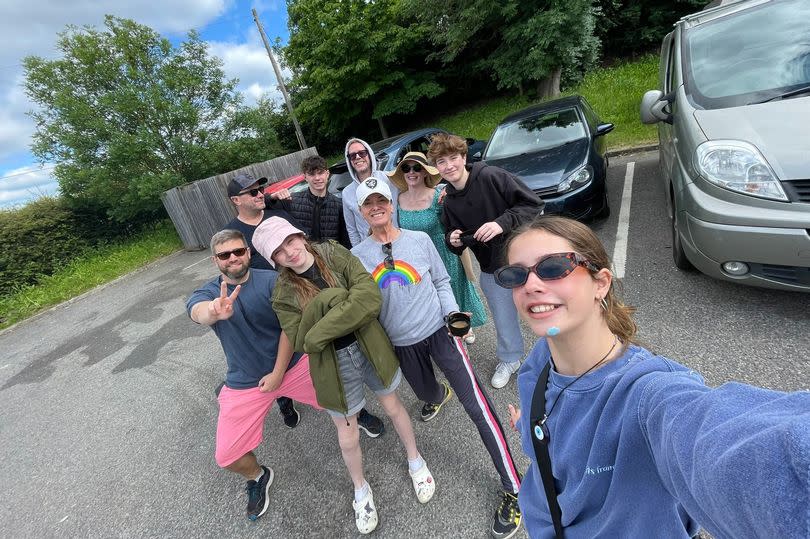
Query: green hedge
(38, 239)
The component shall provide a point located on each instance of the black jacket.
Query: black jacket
(491, 194)
(320, 217)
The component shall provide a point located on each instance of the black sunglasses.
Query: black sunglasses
(549, 268)
(416, 167)
(251, 192)
(225, 255)
(389, 258)
(362, 154)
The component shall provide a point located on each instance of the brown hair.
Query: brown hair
(226, 235)
(313, 163)
(619, 317)
(306, 290)
(445, 144)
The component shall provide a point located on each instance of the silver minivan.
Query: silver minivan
(733, 114)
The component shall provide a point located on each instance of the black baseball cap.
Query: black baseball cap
(242, 181)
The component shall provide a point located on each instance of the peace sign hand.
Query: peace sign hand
(222, 307)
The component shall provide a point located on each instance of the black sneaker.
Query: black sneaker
(507, 517)
(288, 412)
(257, 494)
(370, 424)
(429, 410)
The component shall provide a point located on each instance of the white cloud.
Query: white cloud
(249, 63)
(25, 183)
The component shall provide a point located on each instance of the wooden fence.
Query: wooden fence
(200, 209)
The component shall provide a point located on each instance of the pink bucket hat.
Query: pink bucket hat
(270, 234)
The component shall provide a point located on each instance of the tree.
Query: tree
(521, 43)
(125, 115)
(352, 58)
(629, 27)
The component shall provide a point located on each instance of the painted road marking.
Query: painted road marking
(620, 248)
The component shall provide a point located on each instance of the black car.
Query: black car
(558, 149)
(389, 152)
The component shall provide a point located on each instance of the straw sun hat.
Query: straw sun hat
(398, 177)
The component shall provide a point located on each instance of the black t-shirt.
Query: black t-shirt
(257, 261)
(313, 274)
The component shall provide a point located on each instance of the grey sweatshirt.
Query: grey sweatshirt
(416, 293)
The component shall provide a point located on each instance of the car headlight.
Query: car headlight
(576, 179)
(738, 166)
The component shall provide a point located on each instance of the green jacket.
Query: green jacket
(353, 307)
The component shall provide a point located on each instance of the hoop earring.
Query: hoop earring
(603, 302)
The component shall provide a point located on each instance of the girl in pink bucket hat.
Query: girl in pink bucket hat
(328, 306)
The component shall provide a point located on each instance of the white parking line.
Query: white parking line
(197, 262)
(620, 249)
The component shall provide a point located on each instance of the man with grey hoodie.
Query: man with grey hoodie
(362, 164)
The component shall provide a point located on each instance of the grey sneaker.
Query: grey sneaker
(503, 372)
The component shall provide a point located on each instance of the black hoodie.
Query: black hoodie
(491, 194)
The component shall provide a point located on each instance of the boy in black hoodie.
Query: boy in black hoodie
(482, 206)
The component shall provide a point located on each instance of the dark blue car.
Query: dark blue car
(558, 149)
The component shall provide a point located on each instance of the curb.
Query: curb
(91, 291)
(632, 149)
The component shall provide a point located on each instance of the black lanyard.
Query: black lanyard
(538, 414)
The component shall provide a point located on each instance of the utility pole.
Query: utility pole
(299, 135)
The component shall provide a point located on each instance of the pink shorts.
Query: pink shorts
(242, 411)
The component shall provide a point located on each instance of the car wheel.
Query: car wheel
(678, 254)
(604, 211)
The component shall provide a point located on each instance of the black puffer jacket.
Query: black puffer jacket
(320, 217)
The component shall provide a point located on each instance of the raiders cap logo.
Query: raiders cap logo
(371, 183)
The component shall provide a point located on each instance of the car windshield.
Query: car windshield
(750, 56)
(541, 132)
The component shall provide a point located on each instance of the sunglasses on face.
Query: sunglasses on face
(389, 258)
(251, 192)
(549, 268)
(225, 255)
(362, 154)
(415, 168)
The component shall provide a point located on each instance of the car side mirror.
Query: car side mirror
(604, 129)
(652, 107)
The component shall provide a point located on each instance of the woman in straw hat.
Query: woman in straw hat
(419, 208)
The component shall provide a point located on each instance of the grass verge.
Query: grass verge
(614, 92)
(98, 267)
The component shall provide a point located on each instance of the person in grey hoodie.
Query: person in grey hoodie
(362, 164)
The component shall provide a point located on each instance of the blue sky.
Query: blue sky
(30, 28)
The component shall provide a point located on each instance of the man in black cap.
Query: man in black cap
(247, 194)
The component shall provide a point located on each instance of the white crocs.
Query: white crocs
(365, 513)
(423, 484)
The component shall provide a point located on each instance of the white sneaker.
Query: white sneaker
(469, 338)
(365, 513)
(423, 484)
(503, 372)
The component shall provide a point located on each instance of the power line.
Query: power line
(49, 167)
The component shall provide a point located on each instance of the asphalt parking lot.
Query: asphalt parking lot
(109, 415)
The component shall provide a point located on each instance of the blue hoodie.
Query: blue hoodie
(642, 448)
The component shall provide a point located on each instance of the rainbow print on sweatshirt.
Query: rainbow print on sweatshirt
(403, 274)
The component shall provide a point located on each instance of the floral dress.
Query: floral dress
(427, 221)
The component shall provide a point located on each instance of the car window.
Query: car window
(749, 56)
(541, 132)
(337, 182)
(670, 64)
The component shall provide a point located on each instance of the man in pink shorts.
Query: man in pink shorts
(261, 363)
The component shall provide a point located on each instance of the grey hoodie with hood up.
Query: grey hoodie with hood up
(356, 225)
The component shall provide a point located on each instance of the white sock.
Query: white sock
(259, 476)
(362, 492)
(416, 464)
